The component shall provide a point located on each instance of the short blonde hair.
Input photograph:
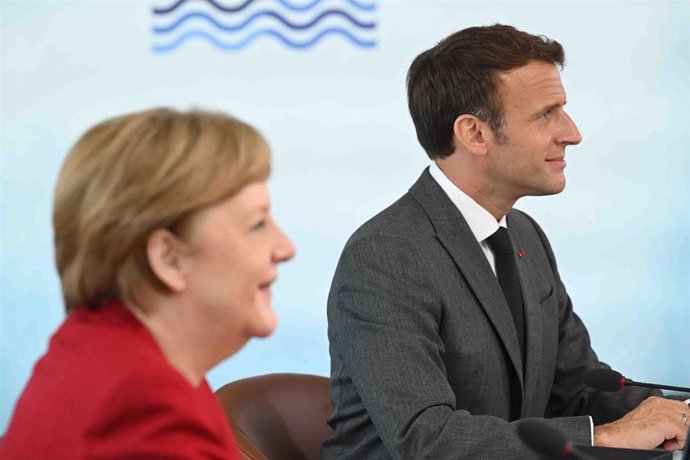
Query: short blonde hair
(130, 175)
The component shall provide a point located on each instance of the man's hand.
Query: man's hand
(654, 422)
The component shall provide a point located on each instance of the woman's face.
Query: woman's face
(233, 250)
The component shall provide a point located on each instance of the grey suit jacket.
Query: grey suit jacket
(425, 361)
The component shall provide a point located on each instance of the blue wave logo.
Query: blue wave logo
(231, 27)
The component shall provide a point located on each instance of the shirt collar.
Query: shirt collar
(481, 222)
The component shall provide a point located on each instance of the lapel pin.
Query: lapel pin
(522, 253)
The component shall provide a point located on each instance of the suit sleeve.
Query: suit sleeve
(569, 396)
(385, 320)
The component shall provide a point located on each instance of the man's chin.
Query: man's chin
(553, 187)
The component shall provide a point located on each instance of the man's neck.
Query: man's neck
(468, 180)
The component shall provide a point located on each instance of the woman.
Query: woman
(166, 251)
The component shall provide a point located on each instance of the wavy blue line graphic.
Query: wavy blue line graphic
(259, 14)
(269, 32)
(230, 9)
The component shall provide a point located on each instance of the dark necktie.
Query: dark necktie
(509, 279)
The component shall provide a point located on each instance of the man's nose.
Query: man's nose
(570, 134)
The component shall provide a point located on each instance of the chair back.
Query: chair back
(278, 416)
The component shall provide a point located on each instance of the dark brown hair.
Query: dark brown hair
(458, 76)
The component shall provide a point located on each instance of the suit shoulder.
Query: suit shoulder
(525, 225)
(403, 220)
(524, 222)
(517, 215)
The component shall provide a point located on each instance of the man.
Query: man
(445, 330)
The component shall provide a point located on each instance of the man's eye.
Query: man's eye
(546, 114)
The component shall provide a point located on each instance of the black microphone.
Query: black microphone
(548, 440)
(603, 379)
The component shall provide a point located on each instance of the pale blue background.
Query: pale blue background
(345, 147)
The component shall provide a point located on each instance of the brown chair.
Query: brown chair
(278, 416)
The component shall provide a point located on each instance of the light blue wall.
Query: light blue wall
(344, 146)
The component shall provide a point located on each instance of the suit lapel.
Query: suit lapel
(457, 238)
(533, 321)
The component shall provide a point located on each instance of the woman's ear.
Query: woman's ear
(164, 252)
(470, 132)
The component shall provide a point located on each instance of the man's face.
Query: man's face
(530, 157)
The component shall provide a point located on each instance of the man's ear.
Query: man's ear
(470, 132)
(164, 252)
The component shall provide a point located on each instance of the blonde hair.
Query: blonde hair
(133, 174)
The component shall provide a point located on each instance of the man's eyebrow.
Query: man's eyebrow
(551, 107)
(554, 106)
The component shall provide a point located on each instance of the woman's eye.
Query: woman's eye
(259, 225)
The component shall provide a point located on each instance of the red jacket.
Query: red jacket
(104, 390)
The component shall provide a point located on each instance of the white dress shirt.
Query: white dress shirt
(481, 222)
